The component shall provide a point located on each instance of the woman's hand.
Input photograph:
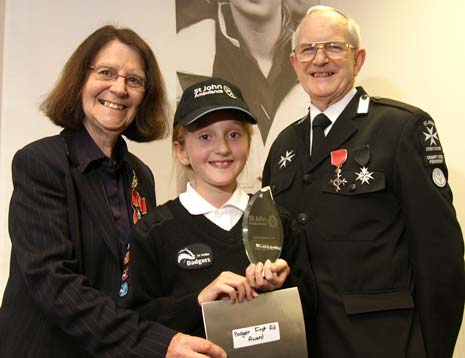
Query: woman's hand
(268, 276)
(227, 285)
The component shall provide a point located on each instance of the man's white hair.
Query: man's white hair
(353, 28)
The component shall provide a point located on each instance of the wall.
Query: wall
(415, 54)
(4, 244)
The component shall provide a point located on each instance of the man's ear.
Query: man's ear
(359, 60)
(181, 153)
(293, 60)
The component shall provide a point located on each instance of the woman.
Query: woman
(76, 196)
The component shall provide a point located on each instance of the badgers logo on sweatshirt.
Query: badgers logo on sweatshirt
(195, 256)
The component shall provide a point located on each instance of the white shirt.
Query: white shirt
(332, 112)
(225, 217)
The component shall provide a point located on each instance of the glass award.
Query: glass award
(272, 324)
(262, 230)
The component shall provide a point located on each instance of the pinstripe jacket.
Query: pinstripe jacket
(66, 262)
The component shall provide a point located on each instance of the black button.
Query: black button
(302, 218)
(308, 178)
(353, 187)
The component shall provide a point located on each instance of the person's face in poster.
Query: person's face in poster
(256, 9)
(326, 80)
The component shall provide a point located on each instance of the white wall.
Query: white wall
(415, 54)
(4, 244)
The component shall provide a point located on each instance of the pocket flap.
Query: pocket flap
(363, 302)
(281, 182)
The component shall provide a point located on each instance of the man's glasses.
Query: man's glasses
(105, 73)
(334, 50)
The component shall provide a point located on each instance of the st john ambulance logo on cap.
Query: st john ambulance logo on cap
(194, 257)
(208, 90)
(229, 92)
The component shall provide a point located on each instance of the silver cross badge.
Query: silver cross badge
(364, 175)
(285, 159)
(339, 181)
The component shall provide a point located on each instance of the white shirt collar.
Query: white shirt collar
(197, 205)
(334, 110)
(225, 217)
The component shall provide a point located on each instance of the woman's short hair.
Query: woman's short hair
(63, 105)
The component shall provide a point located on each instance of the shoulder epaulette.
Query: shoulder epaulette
(394, 103)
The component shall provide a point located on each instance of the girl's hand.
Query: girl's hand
(268, 276)
(227, 285)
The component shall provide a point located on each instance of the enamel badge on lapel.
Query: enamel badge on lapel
(362, 157)
(124, 277)
(287, 158)
(138, 203)
(338, 158)
(123, 291)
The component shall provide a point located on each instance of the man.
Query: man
(386, 247)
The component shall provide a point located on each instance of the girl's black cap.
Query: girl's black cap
(207, 96)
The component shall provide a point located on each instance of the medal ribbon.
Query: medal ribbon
(138, 203)
(139, 208)
(338, 157)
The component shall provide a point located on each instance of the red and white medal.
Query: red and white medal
(338, 158)
(138, 203)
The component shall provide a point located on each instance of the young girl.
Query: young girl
(190, 250)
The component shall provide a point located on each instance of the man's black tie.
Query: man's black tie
(320, 122)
